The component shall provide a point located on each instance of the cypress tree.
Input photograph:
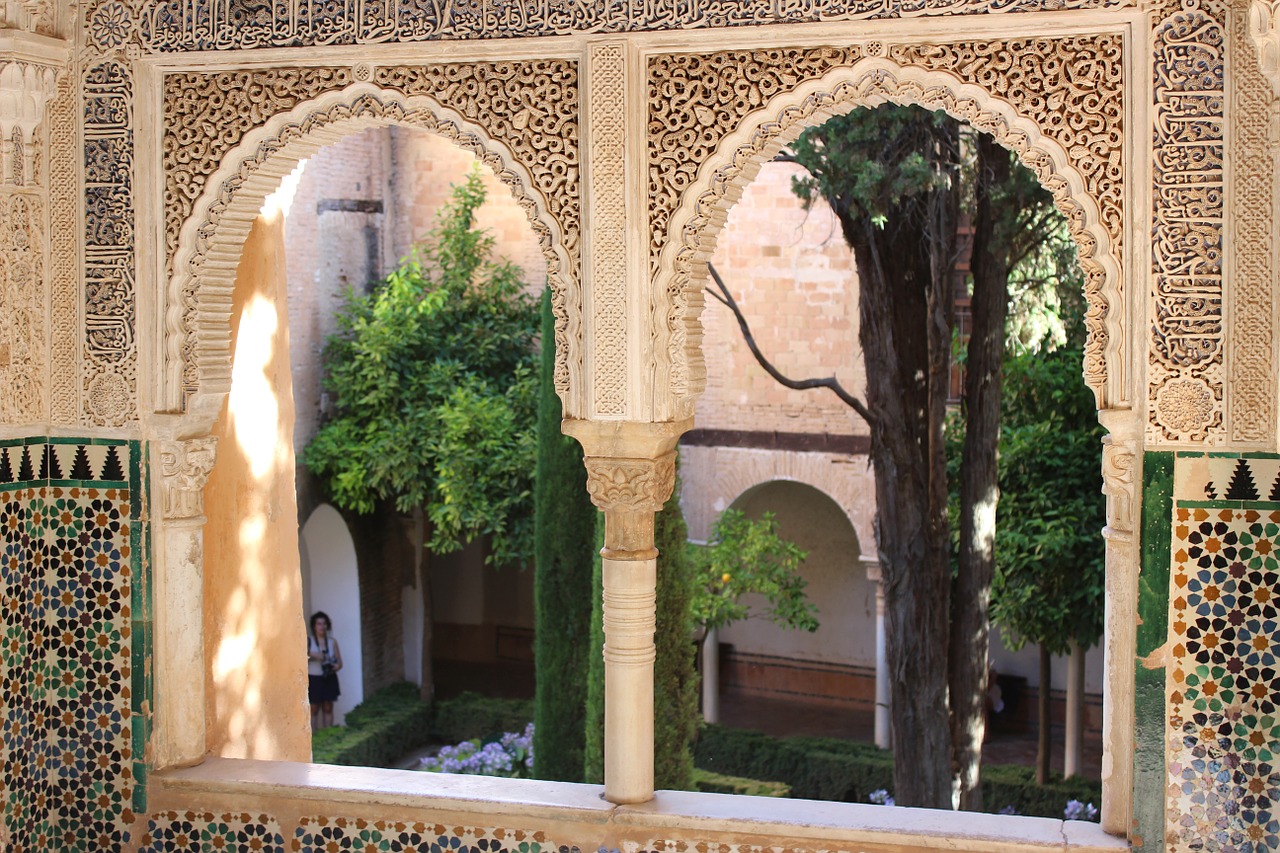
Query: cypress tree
(675, 689)
(593, 760)
(564, 533)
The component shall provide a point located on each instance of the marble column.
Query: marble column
(630, 474)
(884, 737)
(179, 603)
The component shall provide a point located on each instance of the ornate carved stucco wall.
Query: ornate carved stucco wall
(146, 134)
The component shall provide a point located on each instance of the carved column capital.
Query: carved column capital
(1264, 18)
(630, 485)
(1119, 461)
(185, 467)
(631, 466)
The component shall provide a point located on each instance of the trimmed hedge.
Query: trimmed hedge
(470, 715)
(814, 768)
(378, 731)
(1015, 785)
(848, 771)
(395, 721)
(718, 783)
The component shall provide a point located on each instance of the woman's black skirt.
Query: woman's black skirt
(322, 688)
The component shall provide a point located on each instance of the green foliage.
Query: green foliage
(909, 163)
(1046, 287)
(848, 771)
(593, 750)
(749, 556)
(675, 677)
(564, 539)
(469, 716)
(815, 768)
(435, 391)
(1049, 554)
(718, 783)
(1014, 785)
(378, 731)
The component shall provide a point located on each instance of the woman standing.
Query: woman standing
(324, 659)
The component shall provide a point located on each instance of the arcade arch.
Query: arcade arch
(663, 374)
(331, 583)
(256, 178)
(838, 663)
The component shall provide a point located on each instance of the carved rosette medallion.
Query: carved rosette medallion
(1071, 89)
(185, 467)
(530, 107)
(630, 485)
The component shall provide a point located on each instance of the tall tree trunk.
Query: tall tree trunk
(1044, 723)
(906, 336)
(423, 573)
(971, 592)
(1073, 750)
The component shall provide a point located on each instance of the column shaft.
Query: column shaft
(630, 575)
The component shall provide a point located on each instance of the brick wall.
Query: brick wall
(793, 275)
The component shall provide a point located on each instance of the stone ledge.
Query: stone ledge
(673, 816)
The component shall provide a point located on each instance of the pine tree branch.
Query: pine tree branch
(722, 295)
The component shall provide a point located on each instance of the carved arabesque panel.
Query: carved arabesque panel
(23, 352)
(608, 216)
(1185, 359)
(175, 25)
(66, 337)
(1070, 87)
(109, 377)
(529, 106)
(1251, 404)
(26, 88)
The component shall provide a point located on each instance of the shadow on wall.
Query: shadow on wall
(255, 652)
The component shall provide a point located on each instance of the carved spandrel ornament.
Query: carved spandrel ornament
(185, 467)
(1264, 29)
(1118, 484)
(630, 485)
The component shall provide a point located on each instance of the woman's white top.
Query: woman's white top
(315, 667)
